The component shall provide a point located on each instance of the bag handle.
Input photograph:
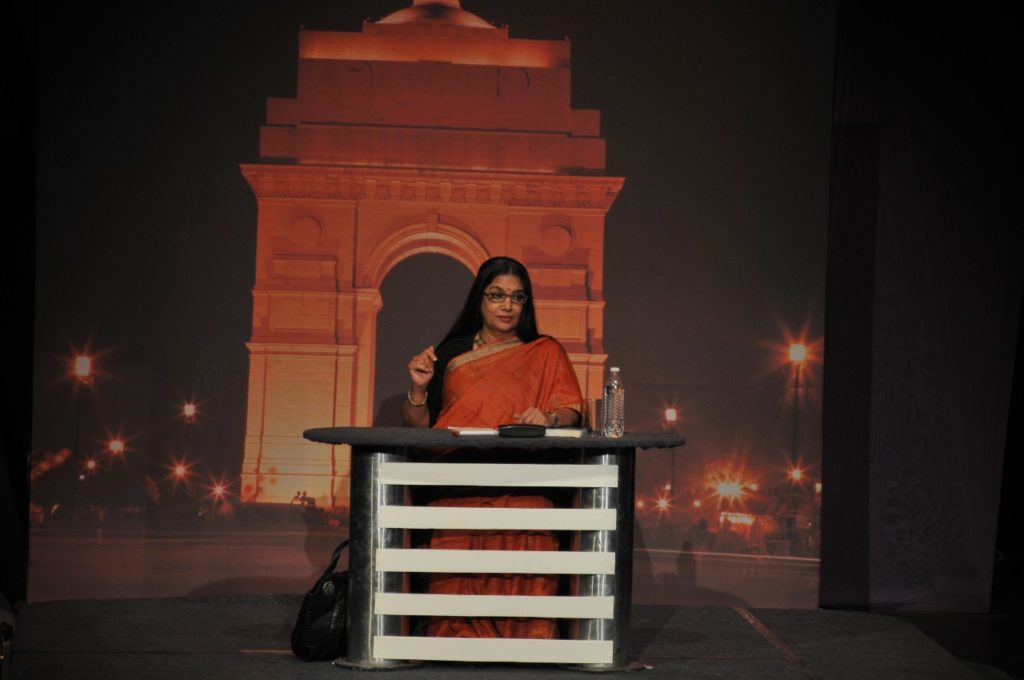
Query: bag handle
(334, 559)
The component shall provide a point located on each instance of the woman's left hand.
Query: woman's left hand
(533, 416)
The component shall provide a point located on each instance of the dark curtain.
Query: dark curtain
(17, 281)
(924, 292)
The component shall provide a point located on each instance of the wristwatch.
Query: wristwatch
(554, 419)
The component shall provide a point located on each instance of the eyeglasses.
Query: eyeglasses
(497, 297)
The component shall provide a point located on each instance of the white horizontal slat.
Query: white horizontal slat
(504, 650)
(558, 519)
(500, 474)
(495, 561)
(428, 604)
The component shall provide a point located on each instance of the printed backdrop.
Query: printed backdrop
(716, 116)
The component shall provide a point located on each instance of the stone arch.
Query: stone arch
(420, 298)
(429, 237)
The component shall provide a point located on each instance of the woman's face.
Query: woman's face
(501, 318)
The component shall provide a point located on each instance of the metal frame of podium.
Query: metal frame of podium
(387, 462)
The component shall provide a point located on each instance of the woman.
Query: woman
(493, 368)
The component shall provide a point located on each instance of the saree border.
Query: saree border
(485, 351)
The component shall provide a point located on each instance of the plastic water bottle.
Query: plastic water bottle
(614, 423)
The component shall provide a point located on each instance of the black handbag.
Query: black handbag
(319, 633)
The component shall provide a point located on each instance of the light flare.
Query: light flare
(663, 504)
(797, 353)
(219, 490)
(82, 367)
(795, 474)
(730, 490)
(180, 470)
(731, 483)
(83, 364)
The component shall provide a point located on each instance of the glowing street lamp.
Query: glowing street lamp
(116, 446)
(218, 490)
(189, 412)
(180, 471)
(669, 418)
(797, 357)
(729, 490)
(669, 421)
(82, 368)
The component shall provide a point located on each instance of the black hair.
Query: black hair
(470, 320)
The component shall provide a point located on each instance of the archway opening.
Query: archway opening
(422, 295)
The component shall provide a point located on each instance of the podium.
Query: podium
(387, 462)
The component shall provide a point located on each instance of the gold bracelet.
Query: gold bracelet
(408, 397)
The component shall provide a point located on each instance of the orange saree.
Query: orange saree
(487, 387)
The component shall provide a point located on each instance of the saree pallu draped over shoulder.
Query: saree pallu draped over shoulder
(488, 387)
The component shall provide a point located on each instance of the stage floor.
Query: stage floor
(247, 637)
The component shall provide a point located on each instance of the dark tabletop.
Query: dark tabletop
(390, 437)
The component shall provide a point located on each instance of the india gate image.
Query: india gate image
(295, 205)
(429, 131)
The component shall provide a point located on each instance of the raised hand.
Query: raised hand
(421, 367)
